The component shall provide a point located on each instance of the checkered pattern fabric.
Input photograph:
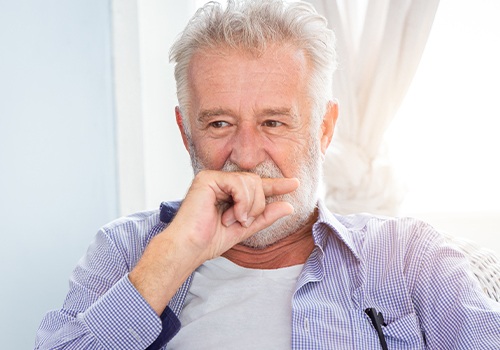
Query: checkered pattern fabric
(403, 268)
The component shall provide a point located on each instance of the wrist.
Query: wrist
(163, 268)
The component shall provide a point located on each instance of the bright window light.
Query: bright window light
(445, 140)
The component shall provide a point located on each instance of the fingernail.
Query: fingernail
(248, 222)
(244, 217)
(228, 223)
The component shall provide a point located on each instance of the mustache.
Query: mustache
(267, 169)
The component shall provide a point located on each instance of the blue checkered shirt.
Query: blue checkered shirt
(401, 267)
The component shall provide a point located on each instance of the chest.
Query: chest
(237, 307)
(322, 309)
(333, 292)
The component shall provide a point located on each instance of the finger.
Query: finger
(249, 201)
(246, 209)
(248, 194)
(277, 186)
(273, 212)
(242, 195)
(242, 188)
(228, 217)
(232, 188)
(258, 205)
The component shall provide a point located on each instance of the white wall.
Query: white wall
(57, 153)
(168, 171)
(153, 164)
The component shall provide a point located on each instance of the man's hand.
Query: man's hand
(209, 229)
(220, 210)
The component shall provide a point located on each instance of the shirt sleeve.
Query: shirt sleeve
(453, 310)
(103, 310)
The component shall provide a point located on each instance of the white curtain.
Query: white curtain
(380, 44)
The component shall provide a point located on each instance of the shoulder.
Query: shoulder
(397, 248)
(378, 236)
(136, 224)
(371, 236)
(386, 228)
(143, 221)
(133, 232)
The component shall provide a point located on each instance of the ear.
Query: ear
(180, 125)
(328, 125)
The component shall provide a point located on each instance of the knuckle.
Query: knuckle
(248, 178)
(255, 179)
(202, 175)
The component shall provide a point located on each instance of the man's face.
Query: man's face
(253, 114)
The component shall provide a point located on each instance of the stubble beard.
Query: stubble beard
(303, 199)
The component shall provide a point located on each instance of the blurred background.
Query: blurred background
(87, 134)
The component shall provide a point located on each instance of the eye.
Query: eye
(218, 124)
(272, 123)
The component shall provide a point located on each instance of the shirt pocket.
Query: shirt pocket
(404, 333)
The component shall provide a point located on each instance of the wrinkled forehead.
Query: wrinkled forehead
(283, 60)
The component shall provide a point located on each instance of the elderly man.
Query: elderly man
(250, 259)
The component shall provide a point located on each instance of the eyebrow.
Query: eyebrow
(214, 112)
(278, 111)
(208, 113)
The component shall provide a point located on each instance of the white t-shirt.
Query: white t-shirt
(232, 307)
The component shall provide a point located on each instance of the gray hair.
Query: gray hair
(252, 25)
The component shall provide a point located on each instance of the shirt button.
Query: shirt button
(306, 325)
(135, 335)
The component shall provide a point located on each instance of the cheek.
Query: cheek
(301, 157)
(289, 158)
(212, 155)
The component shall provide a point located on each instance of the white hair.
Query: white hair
(252, 25)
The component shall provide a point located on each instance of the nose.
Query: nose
(247, 147)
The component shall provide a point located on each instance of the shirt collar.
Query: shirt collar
(328, 223)
(168, 211)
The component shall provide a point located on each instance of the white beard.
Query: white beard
(303, 200)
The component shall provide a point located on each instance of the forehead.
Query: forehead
(282, 54)
(279, 69)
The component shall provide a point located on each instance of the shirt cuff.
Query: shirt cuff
(171, 325)
(121, 318)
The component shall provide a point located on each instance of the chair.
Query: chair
(485, 265)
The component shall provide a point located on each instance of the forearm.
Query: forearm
(120, 318)
(103, 308)
(163, 268)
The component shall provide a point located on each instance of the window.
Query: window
(445, 140)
